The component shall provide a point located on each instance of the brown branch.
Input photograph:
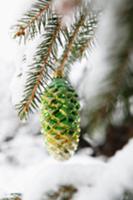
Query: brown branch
(60, 69)
(42, 70)
(22, 29)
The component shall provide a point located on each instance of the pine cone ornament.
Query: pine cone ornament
(60, 119)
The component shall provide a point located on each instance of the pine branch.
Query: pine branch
(79, 39)
(68, 47)
(33, 21)
(41, 69)
(84, 39)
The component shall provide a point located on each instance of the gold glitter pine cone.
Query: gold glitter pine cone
(60, 119)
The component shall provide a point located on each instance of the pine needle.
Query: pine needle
(41, 69)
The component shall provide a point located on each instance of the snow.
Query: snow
(19, 79)
(92, 177)
(52, 174)
(116, 178)
(10, 12)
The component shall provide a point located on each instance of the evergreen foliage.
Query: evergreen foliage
(74, 41)
(32, 22)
